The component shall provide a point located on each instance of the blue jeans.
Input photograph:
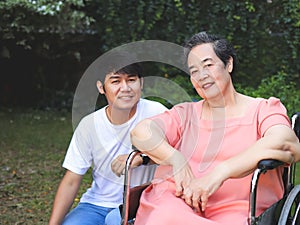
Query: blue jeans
(89, 214)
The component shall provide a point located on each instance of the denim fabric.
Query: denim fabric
(113, 217)
(89, 214)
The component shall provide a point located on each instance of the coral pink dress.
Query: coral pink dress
(206, 144)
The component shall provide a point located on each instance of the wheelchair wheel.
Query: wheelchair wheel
(290, 214)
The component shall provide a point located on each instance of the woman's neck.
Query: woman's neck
(221, 108)
(223, 101)
(231, 108)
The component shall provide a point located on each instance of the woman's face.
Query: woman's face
(208, 74)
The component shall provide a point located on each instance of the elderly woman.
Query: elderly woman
(207, 149)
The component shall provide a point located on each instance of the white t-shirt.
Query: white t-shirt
(96, 142)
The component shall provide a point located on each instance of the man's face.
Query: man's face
(122, 91)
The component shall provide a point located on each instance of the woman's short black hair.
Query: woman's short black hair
(223, 49)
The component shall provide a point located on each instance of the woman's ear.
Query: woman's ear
(230, 65)
(100, 87)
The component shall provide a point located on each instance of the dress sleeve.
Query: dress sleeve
(271, 112)
(170, 124)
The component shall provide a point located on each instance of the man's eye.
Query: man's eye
(132, 80)
(115, 81)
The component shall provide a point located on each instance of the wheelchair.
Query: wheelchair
(284, 212)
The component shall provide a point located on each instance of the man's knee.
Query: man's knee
(113, 217)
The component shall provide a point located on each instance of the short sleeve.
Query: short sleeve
(271, 112)
(169, 122)
(78, 158)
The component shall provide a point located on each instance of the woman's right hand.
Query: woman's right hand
(196, 191)
(199, 190)
(182, 173)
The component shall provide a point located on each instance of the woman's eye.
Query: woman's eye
(194, 72)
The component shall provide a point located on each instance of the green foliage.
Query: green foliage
(186, 84)
(265, 33)
(278, 86)
(24, 20)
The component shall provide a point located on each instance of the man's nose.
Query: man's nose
(125, 86)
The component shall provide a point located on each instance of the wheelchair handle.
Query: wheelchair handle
(295, 119)
(269, 164)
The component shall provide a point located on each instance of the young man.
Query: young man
(102, 140)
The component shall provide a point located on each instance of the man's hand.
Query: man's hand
(118, 164)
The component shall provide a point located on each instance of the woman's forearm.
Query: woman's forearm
(278, 143)
(148, 137)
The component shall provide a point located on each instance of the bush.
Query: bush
(278, 86)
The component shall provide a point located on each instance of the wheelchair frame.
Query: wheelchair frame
(128, 213)
(284, 212)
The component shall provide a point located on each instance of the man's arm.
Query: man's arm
(65, 196)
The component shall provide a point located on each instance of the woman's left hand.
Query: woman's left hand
(200, 189)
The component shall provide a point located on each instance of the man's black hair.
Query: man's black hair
(132, 69)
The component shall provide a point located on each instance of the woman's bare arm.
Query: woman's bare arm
(279, 142)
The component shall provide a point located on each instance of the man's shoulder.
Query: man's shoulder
(146, 102)
(149, 107)
(91, 117)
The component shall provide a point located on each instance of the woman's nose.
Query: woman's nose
(200, 75)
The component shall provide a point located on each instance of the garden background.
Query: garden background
(46, 46)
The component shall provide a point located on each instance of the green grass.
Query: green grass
(32, 148)
(297, 179)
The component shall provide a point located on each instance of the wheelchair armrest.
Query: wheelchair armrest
(262, 167)
(269, 164)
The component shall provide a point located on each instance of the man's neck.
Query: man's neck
(119, 116)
